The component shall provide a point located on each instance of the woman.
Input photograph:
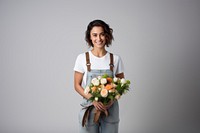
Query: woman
(93, 63)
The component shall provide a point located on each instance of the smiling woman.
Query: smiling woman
(89, 65)
(105, 31)
(98, 37)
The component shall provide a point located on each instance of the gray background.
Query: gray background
(159, 42)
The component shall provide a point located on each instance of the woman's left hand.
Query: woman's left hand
(109, 104)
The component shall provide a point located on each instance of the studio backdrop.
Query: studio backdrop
(158, 41)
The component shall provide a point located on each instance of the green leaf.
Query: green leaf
(128, 81)
(110, 97)
(105, 75)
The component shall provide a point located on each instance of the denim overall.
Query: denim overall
(107, 124)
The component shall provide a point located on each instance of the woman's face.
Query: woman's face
(97, 37)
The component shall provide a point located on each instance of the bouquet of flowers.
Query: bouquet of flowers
(105, 89)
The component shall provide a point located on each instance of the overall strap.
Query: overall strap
(88, 64)
(111, 62)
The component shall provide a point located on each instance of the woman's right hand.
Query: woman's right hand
(99, 106)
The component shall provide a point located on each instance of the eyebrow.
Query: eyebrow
(97, 33)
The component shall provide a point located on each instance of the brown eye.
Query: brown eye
(94, 35)
(103, 34)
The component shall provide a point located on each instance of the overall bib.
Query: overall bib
(107, 124)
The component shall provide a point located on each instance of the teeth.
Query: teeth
(98, 42)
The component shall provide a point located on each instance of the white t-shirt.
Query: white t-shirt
(98, 63)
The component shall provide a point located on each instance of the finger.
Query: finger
(108, 106)
(98, 106)
(101, 106)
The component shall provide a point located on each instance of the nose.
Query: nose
(99, 37)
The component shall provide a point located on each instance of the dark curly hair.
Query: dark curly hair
(107, 30)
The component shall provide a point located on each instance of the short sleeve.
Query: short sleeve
(119, 66)
(79, 64)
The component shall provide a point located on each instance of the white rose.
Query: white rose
(99, 89)
(96, 98)
(103, 81)
(87, 90)
(112, 90)
(95, 81)
(99, 77)
(123, 81)
(115, 79)
(104, 92)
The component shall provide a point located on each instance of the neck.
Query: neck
(99, 52)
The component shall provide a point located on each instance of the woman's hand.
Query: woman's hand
(99, 106)
(109, 104)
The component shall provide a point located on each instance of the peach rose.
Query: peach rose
(109, 86)
(94, 88)
(109, 80)
(104, 92)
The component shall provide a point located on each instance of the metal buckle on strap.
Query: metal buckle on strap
(111, 65)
